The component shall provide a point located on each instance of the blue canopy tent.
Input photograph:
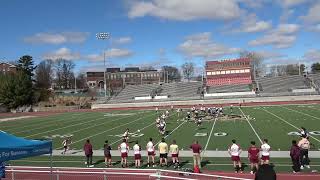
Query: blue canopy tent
(12, 147)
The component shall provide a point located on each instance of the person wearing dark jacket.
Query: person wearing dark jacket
(87, 148)
(265, 172)
(295, 156)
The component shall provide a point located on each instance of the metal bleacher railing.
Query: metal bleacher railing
(64, 173)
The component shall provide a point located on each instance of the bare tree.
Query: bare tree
(173, 73)
(188, 70)
(64, 73)
(44, 73)
(256, 62)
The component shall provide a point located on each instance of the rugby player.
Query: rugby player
(174, 150)
(162, 127)
(126, 135)
(163, 150)
(253, 156)
(151, 152)
(235, 151)
(124, 150)
(265, 152)
(137, 154)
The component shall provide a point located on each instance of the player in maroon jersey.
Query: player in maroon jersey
(253, 156)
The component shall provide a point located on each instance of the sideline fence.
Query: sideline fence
(63, 173)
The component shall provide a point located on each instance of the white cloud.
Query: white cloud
(201, 45)
(253, 3)
(291, 3)
(112, 53)
(313, 15)
(62, 53)
(123, 40)
(185, 10)
(282, 37)
(270, 54)
(312, 55)
(57, 38)
(250, 24)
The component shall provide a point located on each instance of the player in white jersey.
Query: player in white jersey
(265, 152)
(167, 113)
(162, 127)
(235, 151)
(151, 152)
(124, 150)
(137, 154)
(126, 135)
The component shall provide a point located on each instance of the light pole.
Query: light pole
(104, 36)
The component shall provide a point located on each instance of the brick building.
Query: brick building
(117, 78)
(6, 68)
(228, 72)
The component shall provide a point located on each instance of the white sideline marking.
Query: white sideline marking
(47, 123)
(251, 126)
(66, 126)
(205, 148)
(40, 122)
(172, 131)
(302, 113)
(288, 123)
(107, 130)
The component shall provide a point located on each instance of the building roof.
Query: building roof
(228, 61)
(11, 65)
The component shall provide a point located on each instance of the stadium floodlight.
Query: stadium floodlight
(104, 36)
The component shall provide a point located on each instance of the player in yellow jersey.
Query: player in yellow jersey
(163, 150)
(174, 150)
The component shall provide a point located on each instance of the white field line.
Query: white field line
(98, 124)
(172, 131)
(52, 124)
(66, 127)
(288, 123)
(206, 146)
(302, 113)
(255, 132)
(41, 122)
(134, 132)
(106, 130)
(137, 131)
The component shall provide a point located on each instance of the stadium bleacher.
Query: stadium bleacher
(281, 83)
(229, 88)
(131, 91)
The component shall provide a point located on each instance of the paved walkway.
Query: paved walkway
(276, 154)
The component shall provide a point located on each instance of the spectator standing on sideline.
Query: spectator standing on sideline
(304, 145)
(88, 152)
(234, 150)
(265, 152)
(107, 154)
(2, 170)
(137, 154)
(124, 150)
(163, 150)
(295, 156)
(196, 149)
(151, 152)
(253, 156)
(174, 150)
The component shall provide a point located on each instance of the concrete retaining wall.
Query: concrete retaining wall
(257, 100)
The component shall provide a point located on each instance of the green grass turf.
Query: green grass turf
(217, 164)
(269, 123)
